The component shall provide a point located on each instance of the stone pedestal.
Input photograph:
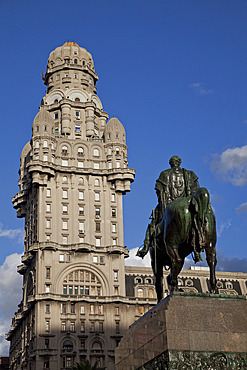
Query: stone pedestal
(189, 331)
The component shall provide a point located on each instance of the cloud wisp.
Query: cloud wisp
(242, 208)
(199, 90)
(10, 296)
(133, 260)
(12, 233)
(224, 226)
(231, 165)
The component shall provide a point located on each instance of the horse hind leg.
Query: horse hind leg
(175, 270)
(212, 261)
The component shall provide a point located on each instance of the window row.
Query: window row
(82, 290)
(81, 210)
(71, 308)
(80, 150)
(92, 326)
(80, 195)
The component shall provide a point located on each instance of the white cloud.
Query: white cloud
(12, 233)
(133, 260)
(10, 296)
(242, 208)
(199, 90)
(231, 165)
(224, 226)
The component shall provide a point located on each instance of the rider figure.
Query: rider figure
(173, 183)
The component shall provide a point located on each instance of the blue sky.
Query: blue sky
(173, 72)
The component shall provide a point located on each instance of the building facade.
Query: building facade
(78, 296)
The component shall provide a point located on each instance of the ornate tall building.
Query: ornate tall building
(78, 296)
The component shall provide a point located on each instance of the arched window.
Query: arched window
(65, 179)
(45, 145)
(117, 151)
(229, 285)
(148, 281)
(96, 182)
(75, 61)
(97, 345)
(37, 145)
(80, 151)
(150, 293)
(81, 181)
(96, 152)
(55, 101)
(64, 150)
(83, 283)
(140, 293)
(77, 99)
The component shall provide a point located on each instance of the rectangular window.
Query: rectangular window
(114, 228)
(114, 241)
(82, 310)
(116, 290)
(81, 227)
(63, 325)
(65, 162)
(92, 326)
(81, 239)
(58, 77)
(117, 327)
(77, 114)
(46, 362)
(113, 197)
(116, 310)
(45, 158)
(101, 259)
(47, 308)
(47, 343)
(96, 166)
(65, 289)
(47, 288)
(72, 326)
(95, 259)
(82, 326)
(81, 195)
(97, 242)
(118, 164)
(81, 210)
(65, 239)
(76, 276)
(61, 257)
(77, 127)
(48, 272)
(65, 225)
(65, 209)
(101, 327)
(100, 309)
(48, 237)
(109, 165)
(70, 290)
(47, 325)
(91, 309)
(65, 194)
(72, 306)
(113, 212)
(80, 164)
(96, 196)
(45, 144)
(115, 273)
(48, 208)
(141, 310)
(97, 212)
(81, 290)
(48, 224)
(63, 307)
(97, 226)
(56, 115)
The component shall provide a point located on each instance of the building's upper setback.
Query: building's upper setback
(75, 158)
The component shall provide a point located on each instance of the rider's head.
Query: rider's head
(175, 161)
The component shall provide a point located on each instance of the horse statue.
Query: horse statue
(188, 226)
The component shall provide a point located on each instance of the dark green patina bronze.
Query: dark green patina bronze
(183, 222)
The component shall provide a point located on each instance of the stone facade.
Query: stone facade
(78, 296)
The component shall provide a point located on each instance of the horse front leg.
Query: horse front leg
(158, 272)
(175, 270)
(212, 262)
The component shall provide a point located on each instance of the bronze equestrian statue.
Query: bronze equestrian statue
(183, 222)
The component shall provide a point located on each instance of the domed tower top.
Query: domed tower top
(70, 56)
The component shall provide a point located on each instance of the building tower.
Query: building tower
(73, 173)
